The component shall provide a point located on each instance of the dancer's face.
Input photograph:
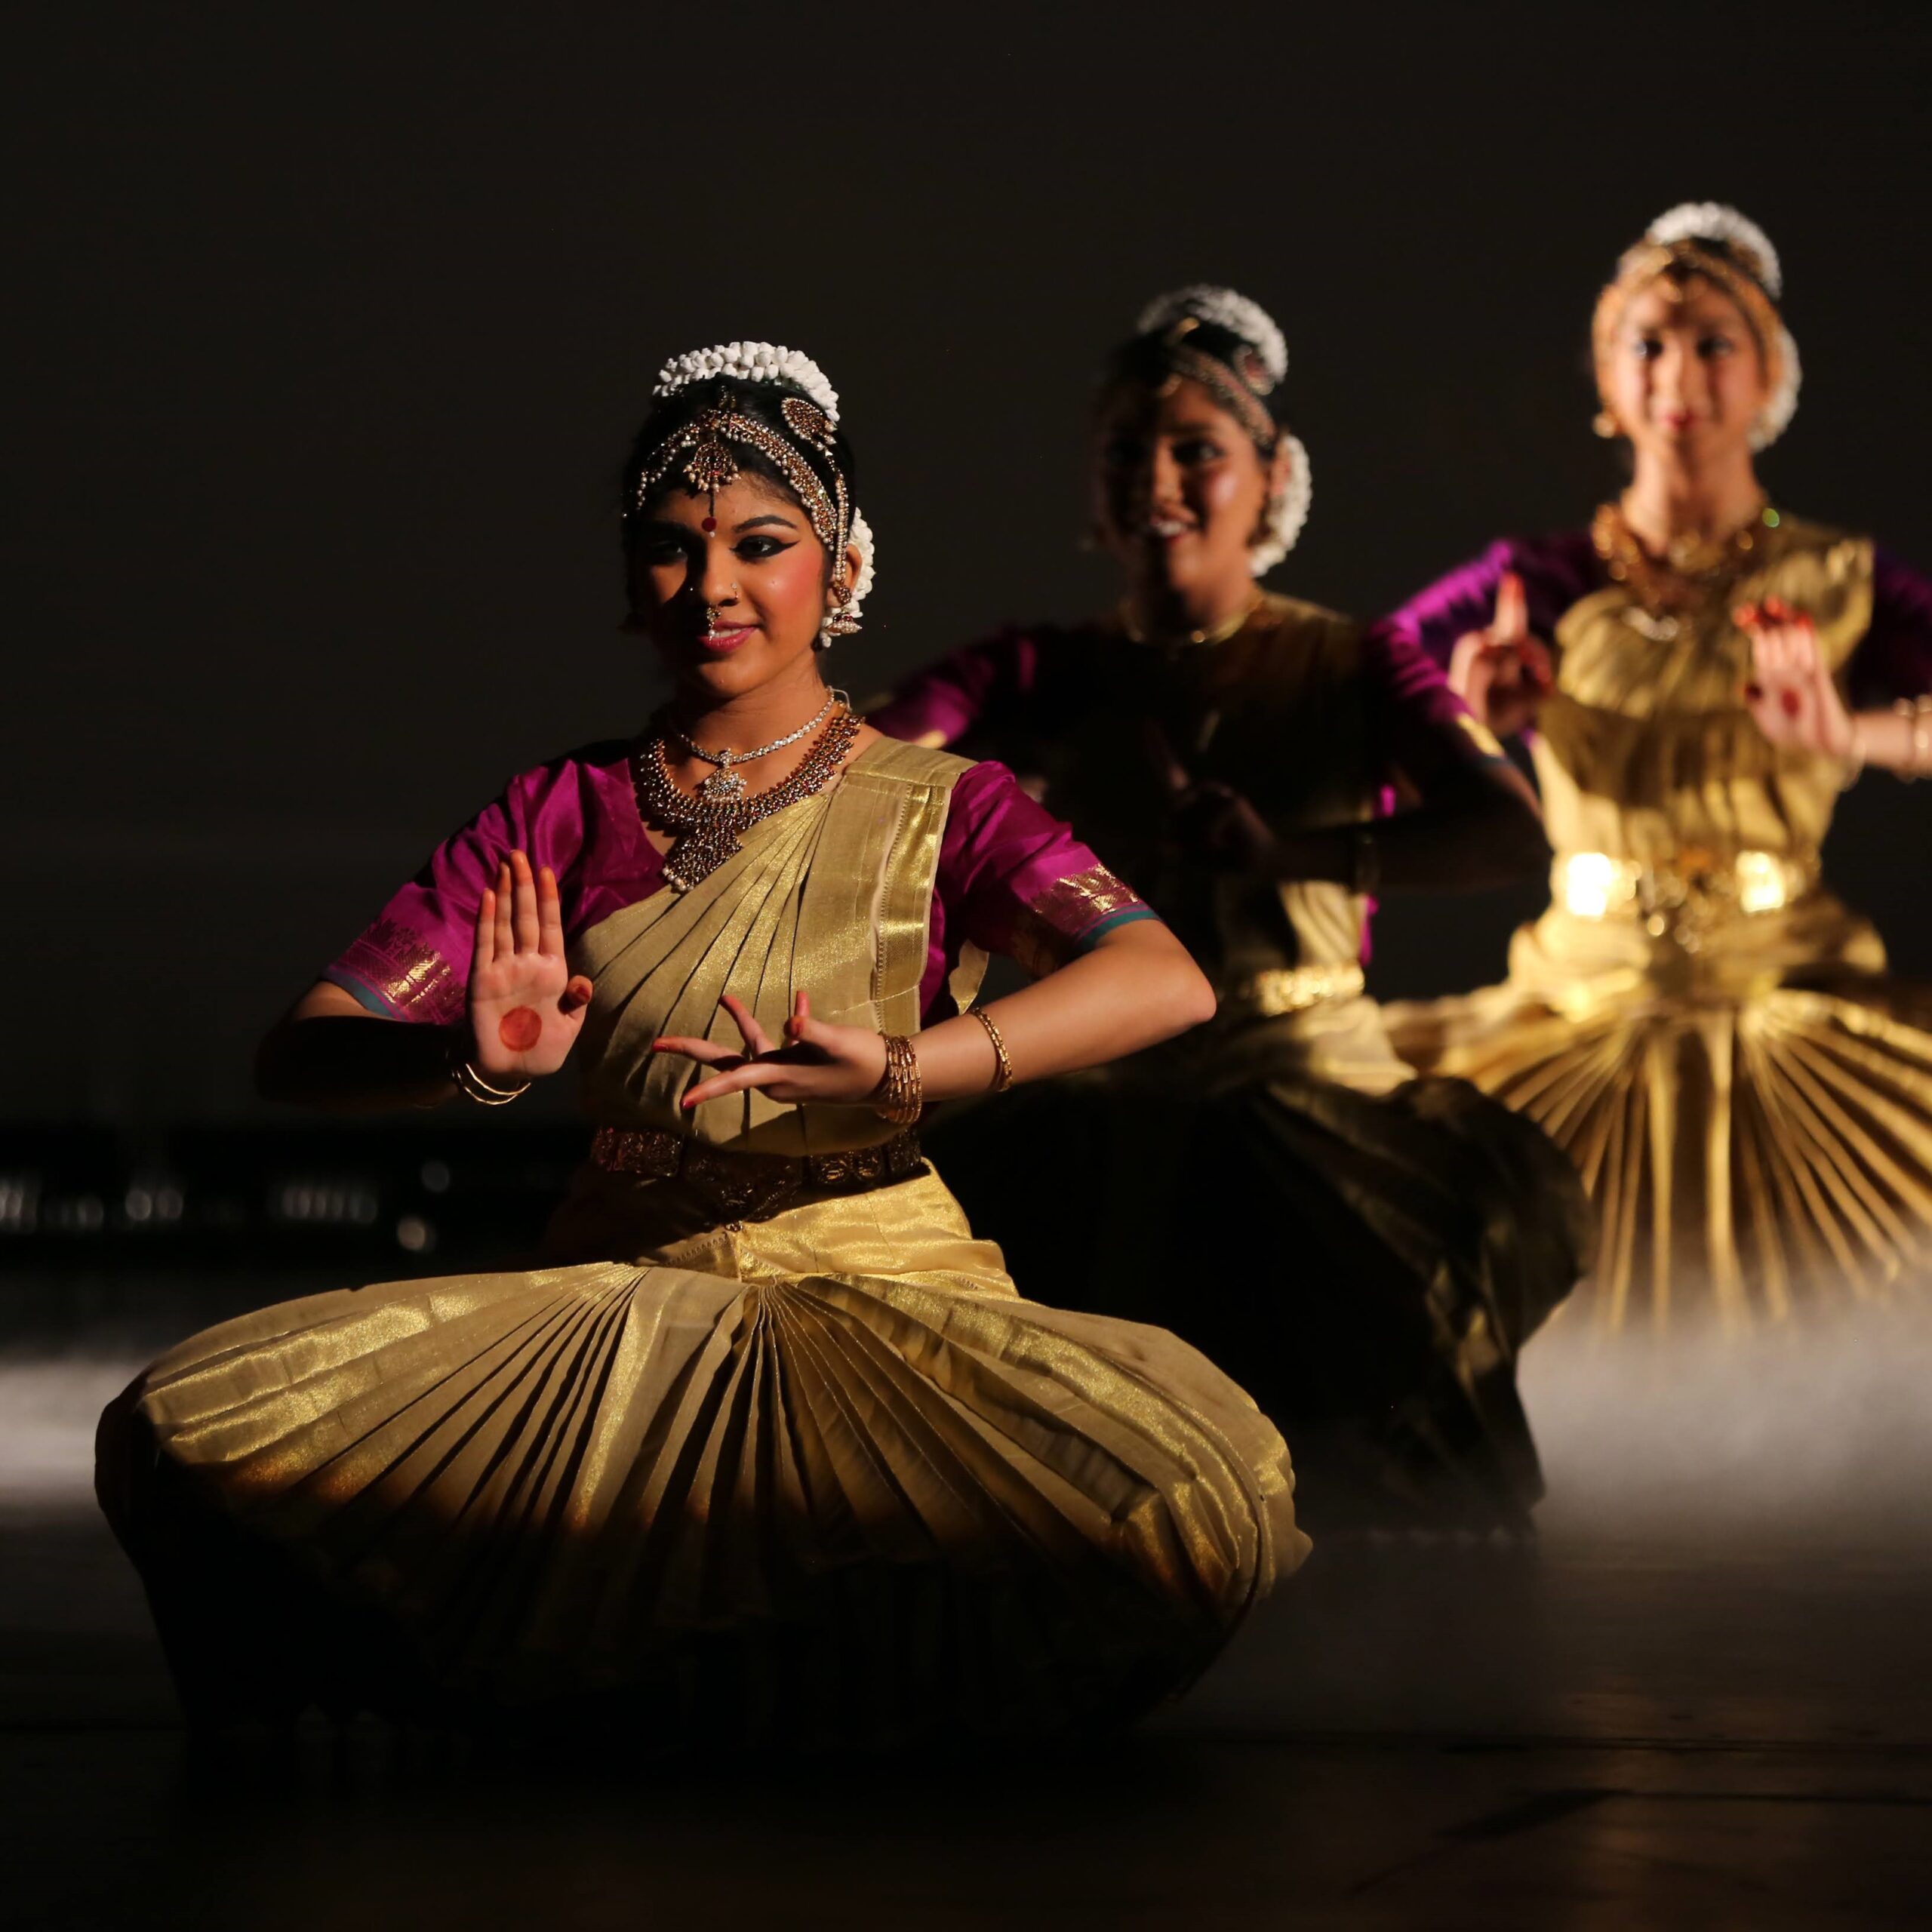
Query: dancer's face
(1180, 492)
(1683, 375)
(737, 606)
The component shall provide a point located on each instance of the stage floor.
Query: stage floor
(1703, 1701)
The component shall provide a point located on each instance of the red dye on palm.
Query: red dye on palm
(520, 1029)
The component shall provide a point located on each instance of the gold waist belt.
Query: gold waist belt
(1694, 887)
(746, 1183)
(1290, 990)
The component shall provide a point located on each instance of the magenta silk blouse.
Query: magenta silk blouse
(1012, 879)
(1892, 660)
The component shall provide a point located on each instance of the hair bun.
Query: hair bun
(1206, 303)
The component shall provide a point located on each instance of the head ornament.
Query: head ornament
(1238, 379)
(804, 452)
(1727, 249)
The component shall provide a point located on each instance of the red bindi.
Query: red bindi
(709, 525)
(520, 1029)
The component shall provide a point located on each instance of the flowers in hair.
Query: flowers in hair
(1287, 513)
(1226, 309)
(1714, 221)
(750, 362)
(860, 538)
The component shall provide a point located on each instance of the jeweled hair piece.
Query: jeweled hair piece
(805, 453)
(1232, 347)
(1714, 241)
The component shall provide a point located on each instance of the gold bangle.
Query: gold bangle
(472, 1086)
(1854, 760)
(1917, 713)
(1003, 1067)
(899, 1096)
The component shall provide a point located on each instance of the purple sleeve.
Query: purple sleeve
(1555, 571)
(1419, 726)
(941, 704)
(1893, 659)
(577, 815)
(1013, 879)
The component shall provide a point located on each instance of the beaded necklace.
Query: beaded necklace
(708, 832)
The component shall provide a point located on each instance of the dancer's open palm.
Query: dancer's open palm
(818, 1063)
(1791, 694)
(526, 1006)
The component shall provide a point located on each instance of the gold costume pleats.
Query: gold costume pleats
(1754, 1157)
(1709, 1034)
(819, 1476)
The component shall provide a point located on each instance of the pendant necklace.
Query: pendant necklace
(709, 828)
(723, 786)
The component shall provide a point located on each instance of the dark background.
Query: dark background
(329, 327)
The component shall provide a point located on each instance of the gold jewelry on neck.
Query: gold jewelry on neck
(1207, 633)
(723, 786)
(1695, 569)
(709, 831)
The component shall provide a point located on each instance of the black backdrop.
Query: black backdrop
(329, 327)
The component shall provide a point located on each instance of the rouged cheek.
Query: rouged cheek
(520, 1029)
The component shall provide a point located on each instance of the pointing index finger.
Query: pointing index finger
(1511, 624)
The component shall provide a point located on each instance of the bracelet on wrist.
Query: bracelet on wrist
(1917, 713)
(899, 1096)
(1002, 1059)
(473, 1086)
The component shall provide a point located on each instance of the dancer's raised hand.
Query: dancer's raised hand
(526, 1008)
(1502, 672)
(1791, 693)
(816, 1063)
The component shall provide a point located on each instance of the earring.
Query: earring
(1604, 424)
(839, 623)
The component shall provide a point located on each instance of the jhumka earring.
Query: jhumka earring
(1604, 424)
(837, 623)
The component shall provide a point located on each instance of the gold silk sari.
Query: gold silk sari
(1704, 1026)
(797, 1460)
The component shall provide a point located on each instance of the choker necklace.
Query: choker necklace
(1208, 633)
(709, 828)
(1693, 570)
(723, 786)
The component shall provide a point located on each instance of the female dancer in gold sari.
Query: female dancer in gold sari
(1707, 1029)
(1367, 1251)
(772, 1443)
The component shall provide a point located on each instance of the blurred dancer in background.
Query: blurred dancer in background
(1368, 1250)
(1708, 1031)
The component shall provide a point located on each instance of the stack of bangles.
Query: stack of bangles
(900, 1096)
(471, 1085)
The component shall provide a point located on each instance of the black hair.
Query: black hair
(1226, 364)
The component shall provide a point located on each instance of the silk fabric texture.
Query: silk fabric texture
(1366, 1252)
(1747, 1094)
(822, 1476)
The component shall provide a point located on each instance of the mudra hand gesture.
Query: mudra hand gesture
(1502, 672)
(526, 1006)
(1791, 693)
(818, 1063)
(1212, 822)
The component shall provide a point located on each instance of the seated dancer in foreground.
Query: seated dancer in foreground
(773, 1445)
(1367, 1251)
(1707, 1030)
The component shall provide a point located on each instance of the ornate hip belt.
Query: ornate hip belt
(1291, 990)
(753, 1183)
(1694, 890)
